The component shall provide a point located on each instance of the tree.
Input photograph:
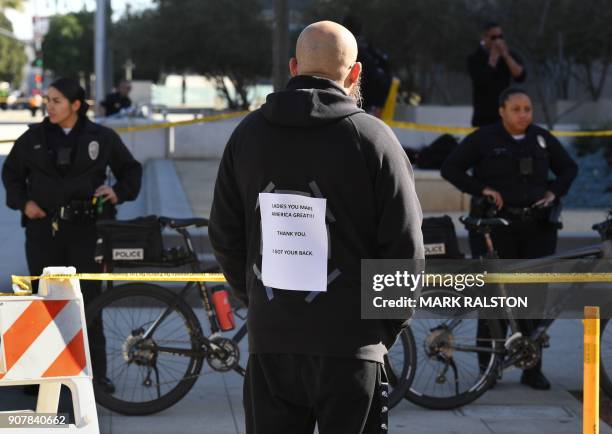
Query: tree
(217, 39)
(590, 45)
(68, 46)
(12, 55)
(138, 38)
(11, 4)
(561, 41)
(426, 44)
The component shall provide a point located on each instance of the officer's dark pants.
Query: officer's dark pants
(523, 240)
(289, 393)
(73, 245)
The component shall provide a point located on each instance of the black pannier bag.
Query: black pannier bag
(433, 155)
(129, 242)
(440, 238)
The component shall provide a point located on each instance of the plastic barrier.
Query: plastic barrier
(44, 341)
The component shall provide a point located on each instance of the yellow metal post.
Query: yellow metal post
(590, 406)
(389, 109)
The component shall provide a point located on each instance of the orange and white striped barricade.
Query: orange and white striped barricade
(44, 341)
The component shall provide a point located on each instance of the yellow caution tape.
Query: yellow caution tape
(467, 130)
(601, 133)
(548, 277)
(213, 118)
(25, 282)
(137, 128)
(431, 128)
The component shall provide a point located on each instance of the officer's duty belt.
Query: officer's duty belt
(78, 211)
(526, 214)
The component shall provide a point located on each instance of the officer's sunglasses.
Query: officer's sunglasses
(496, 37)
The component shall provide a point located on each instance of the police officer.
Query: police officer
(119, 100)
(511, 161)
(376, 76)
(54, 173)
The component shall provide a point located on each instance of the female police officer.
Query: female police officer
(52, 174)
(511, 161)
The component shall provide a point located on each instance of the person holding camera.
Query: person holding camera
(511, 161)
(492, 68)
(56, 174)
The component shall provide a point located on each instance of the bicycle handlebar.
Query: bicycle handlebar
(183, 223)
(605, 228)
(482, 224)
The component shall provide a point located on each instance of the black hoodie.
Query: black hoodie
(312, 138)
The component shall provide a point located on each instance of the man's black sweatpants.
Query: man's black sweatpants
(290, 393)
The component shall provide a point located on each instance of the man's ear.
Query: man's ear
(293, 67)
(355, 72)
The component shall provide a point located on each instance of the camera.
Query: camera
(483, 207)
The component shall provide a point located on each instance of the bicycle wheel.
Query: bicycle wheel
(450, 372)
(147, 379)
(399, 366)
(605, 356)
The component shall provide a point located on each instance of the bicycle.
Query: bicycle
(454, 368)
(151, 330)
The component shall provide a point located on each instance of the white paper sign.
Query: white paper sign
(295, 243)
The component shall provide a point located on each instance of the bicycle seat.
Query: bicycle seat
(477, 223)
(183, 223)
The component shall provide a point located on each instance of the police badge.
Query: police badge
(94, 150)
(541, 142)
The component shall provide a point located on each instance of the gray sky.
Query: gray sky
(22, 21)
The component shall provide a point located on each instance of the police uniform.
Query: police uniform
(60, 170)
(115, 102)
(518, 168)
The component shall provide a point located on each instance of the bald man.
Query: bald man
(308, 186)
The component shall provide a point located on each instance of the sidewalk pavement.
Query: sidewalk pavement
(214, 405)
